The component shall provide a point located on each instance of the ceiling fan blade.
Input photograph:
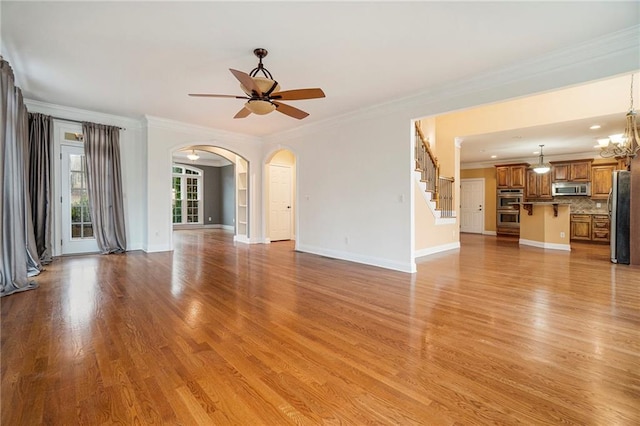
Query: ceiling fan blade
(290, 111)
(298, 94)
(242, 113)
(211, 95)
(246, 80)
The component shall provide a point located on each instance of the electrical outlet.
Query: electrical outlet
(562, 235)
(598, 205)
(209, 218)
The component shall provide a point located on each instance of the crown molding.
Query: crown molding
(199, 131)
(78, 114)
(613, 54)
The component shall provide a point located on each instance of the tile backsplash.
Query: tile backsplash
(584, 204)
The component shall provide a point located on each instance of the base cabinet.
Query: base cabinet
(580, 227)
(588, 227)
(600, 228)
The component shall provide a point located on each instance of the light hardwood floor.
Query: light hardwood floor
(217, 333)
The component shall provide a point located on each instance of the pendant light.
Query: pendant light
(193, 156)
(541, 167)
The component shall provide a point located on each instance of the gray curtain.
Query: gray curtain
(18, 252)
(40, 151)
(104, 186)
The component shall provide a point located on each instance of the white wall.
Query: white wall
(132, 152)
(354, 184)
(165, 136)
(355, 193)
(353, 189)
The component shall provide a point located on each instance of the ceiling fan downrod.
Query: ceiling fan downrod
(261, 53)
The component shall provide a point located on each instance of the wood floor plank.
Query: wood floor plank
(223, 333)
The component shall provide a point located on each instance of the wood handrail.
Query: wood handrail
(427, 147)
(429, 168)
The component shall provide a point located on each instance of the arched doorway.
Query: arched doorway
(210, 190)
(280, 195)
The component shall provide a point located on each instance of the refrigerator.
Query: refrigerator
(619, 204)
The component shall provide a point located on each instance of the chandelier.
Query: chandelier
(193, 156)
(626, 144)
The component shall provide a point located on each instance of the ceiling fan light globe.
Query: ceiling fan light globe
(260, 107)
(264, 84)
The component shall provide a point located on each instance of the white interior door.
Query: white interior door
(76, 227)
(280, 202)
(472, 205)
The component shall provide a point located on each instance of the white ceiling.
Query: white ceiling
(561, 141)
(142, 58)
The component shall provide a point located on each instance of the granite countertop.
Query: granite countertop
(578, 211)
(545, 203)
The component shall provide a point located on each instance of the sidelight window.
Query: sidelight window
(80, 215)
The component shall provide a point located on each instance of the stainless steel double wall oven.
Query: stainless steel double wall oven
(508, 212)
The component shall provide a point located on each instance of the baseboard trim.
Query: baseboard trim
(408, 267)
(220, 226)
(436, 249)
(540, 244)
(157, 248)
(241, 239)
(492, 233)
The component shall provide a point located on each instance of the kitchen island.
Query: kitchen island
(545, 224)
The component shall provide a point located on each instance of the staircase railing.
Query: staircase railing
(441, 188)
(446, 197)
(427, 164)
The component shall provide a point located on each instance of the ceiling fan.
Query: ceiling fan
(263, 93)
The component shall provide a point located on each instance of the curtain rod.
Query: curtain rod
(77, 121)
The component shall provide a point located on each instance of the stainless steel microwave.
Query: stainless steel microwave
(570, 188)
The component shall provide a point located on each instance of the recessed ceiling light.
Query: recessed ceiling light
(595, 127)
(494, 156)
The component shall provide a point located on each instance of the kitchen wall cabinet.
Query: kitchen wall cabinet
(571, 171)
(600, 228)
(622, 164)
(601, 180)
(580, 225)
(511, 176)
(538, 186)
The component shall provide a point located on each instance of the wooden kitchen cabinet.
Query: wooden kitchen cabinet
(538, 186)
(600, 228)
(601, 180)
(580, 225)
(571, 171)
(511, 175)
